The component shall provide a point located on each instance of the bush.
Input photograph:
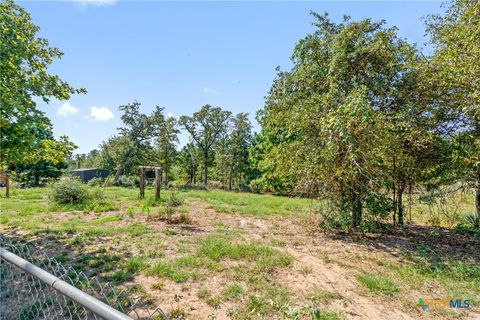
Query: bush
(190, 186)
(96, 182)
(69, 190)
(127, 181)
(213, 184)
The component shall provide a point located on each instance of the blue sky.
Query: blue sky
(182, 55)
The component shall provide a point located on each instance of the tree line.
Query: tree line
(218, 146)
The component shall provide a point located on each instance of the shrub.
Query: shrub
(127, 181)
(69, 190)
(96, 182)
(215, 185)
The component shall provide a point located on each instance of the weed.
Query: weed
(232, 292)
(306, 270)
(158, 285)
(203, 293)
(378, 284)
(135, 264)
(178, 313)
(169, 271)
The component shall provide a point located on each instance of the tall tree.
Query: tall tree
(24, 60)
(455, 71)
(330, 113)
(166, 145)
(187, 160)
(238, 145)
(140, 131)
(204, 128)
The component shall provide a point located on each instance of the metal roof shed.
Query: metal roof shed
(88, 174)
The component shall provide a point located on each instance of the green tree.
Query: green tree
(238, 144)
(166, 145)
(188, 161)
(205, 128)
(118, 154)
(329, 114)
(454, 70)
(24, 60)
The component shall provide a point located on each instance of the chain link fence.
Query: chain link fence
(25, 296)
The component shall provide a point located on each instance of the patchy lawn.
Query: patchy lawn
(246, 256)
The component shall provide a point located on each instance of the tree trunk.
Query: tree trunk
(118, 173)
(477, 199)
(230, 181)
(410, 202)
(400, 204)
(394, 200)
(356, 211)
(166, 176)
(205, 177)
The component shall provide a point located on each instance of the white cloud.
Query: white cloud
(96, 3)
(207, 90)
(67, 109)
(101, 114)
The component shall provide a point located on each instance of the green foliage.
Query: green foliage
(135, 264)
(454, 71)
(378, 284)
(127, 181)
(24, 62)
(69, 190)
(232, 291)
(340, 152)
(96, 182)
(205, 128)
(166, 146)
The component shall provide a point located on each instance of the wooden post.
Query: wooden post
(158, 183)
(7, 186)
(142, 182)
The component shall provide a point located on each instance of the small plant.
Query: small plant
(232, 292)
(204, 293)
(178, 313)
(473, 221)
(185, 218)
(174, 201)
(378, 284)
(158, 285)
(135, 264)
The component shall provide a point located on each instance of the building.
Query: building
(88, 174)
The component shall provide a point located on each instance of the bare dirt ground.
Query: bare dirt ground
(322, 263)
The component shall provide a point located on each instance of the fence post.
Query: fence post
(7, 186)
(158, 182)
(142, 182)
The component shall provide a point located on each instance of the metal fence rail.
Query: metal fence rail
(35, 286)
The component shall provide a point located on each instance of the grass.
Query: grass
(217, 247)
(135, 264)
(249, 203)
(232, 291)
(378, 284)
(125, 243)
